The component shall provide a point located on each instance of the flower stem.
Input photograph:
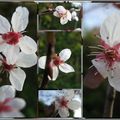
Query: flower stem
(109, 102)
(50, 52)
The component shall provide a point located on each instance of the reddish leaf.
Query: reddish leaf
(93, 78)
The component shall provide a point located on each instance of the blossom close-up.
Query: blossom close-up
(13, 35)
(12, 62)
(10, 105)
(66, 102)
(57, 62)
(107, 61)
(63, 14)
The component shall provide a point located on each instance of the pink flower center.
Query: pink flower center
(62, 14)
(63, 102)
(57, 61)
(4, 107)
(109, 54)
(12, 38)
(6, 66)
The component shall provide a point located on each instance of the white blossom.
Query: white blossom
(66, 102)
(74, 16)
(107, 62)
(12, 63)
(10, 105)
(63, 14)
(57, 62)
(12, 36)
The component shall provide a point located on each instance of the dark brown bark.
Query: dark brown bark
(109, 102)
(50, 52)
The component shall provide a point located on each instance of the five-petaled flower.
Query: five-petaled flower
(57, 62)
(107, 62)
(11, 63)
(66, 102)
(11, 37)
(63, 14)
(9, 105)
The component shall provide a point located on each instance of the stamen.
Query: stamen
(95, 47)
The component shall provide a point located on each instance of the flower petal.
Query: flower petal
(110, 29)
(20, 19)
(26, 60)
(63, 112)
(6, 91)
(11, 54)
(55, 73)
(65, 54)
(69, 94)
(17, 103)
(66, 68)
(42, 62)
(17, 78)
(63, 20)
(11, 114)
(74, 104)
(114, 77)
(69, 16)
(28, 45)
(56, 14)
(101, 67)
(4, 25)
(60, 9)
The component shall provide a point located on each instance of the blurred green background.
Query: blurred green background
(29, 92)
(50, 22)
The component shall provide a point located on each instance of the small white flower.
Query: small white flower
(74, 16)
(108, 62)
(66, 102)
(12, 62)
(9, 105)
(63, 14)
(11, 36)
(58, 62)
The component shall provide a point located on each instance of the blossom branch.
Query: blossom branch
(50, 52)
(109, 103)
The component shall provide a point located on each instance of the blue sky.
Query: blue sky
(95, 13)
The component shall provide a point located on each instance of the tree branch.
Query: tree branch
(50, 52)
(109, 103)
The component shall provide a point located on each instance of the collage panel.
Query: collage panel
(101, 64)
(18, 59)
(59, 16)
(65, 103)
(63, 61)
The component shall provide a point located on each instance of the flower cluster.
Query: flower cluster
(17, 51)
(65, 15)
(107, 61)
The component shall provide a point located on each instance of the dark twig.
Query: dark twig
(50, 52)
(109, 103)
